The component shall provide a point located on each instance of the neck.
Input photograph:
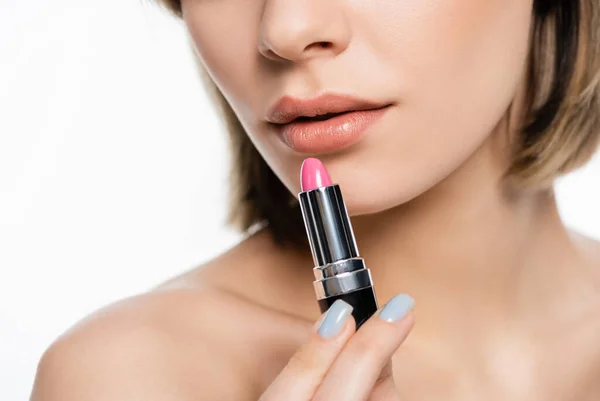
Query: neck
(469, 246)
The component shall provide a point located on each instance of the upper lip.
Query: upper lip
(288, 108)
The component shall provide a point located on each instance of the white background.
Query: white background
(113, 168)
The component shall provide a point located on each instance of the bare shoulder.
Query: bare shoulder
(176, 343)
(140, 347)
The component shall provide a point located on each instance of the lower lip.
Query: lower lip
(329, 135)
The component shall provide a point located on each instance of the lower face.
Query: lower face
(446, 69)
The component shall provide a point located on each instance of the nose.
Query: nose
(299, 30)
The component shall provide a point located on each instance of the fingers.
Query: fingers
(307, 368)
(363, 365)
(339, 363)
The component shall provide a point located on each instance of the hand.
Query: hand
(341, 364)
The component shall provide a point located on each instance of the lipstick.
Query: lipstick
(340, 272)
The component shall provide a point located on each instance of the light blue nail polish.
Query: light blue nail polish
(397, 308)
(335, 318)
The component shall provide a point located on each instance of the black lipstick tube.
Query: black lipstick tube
(340, 272)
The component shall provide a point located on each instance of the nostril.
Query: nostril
(320, 45)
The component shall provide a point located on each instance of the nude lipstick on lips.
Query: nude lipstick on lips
(339, 270)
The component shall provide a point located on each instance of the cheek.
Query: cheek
(226, 46)
(475, 56)
(464, 58)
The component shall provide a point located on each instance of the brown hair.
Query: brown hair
(561, 129)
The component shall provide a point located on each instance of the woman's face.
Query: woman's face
(445, 70)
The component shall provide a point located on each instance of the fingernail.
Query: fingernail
(397, 308)
(335, 318)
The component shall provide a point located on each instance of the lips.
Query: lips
(323, 124)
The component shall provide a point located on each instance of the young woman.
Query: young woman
(445, 123)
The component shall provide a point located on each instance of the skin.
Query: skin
(507, 298)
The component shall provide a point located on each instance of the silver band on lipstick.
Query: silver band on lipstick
(343, 283)
(339, 269)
